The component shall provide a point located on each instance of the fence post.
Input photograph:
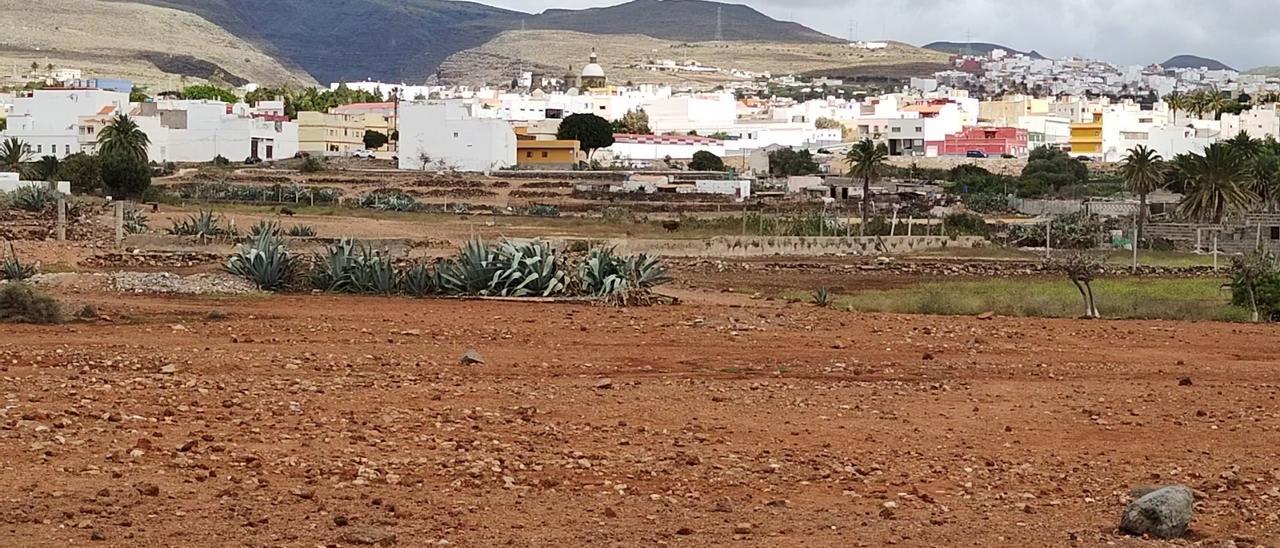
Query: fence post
(119, 214)
(62, 219)
(1134, 245)
(910, 221)
(1048, 241)
(1215, 251)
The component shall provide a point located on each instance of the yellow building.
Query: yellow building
(1009, 110)
(536, 149)
(1086, 137)
(379, 117)
(319, 132)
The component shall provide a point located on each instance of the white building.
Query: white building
(199, 131)
(447, 132)
(1259, 122)
(644, 150)
(49, 121)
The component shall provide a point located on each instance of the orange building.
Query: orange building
(533, 151)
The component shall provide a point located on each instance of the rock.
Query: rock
(986, 315)
(149, 489)
(471, 358)
(169, 369)
(1164, 513)
(603, 384)
(341, 520)
(742, 528)
(1184, 381)
(97, 534)
(684, 531)
(609, 512)
(369, 536)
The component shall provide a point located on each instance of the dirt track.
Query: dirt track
(718, 425)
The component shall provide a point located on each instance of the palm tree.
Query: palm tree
(1246, 145)
(1143, 172)
(14, 155)
(1215, 103)
(1176, 101)
(1198, 104)
(866, 161)
(1218, 183)
(1265, 175)
(122, 135)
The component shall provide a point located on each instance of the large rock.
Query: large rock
(1164, 513)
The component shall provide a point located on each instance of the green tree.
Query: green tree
(14, 155)
(785, 162)
(1177, 101)
(704, 160)
(1143, 172)
(124, 174)
(1218, 183)
(47, 168)
(209, 92)
(139, 95)
(83, 171)
(4, 124)
(374, 140)
(1054, 169)
(1246, 145)
(590, 131)
(867, 162)
(1265, 179)
(122, 135)
(634, 122)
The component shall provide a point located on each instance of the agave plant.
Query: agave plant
(262, 227)
(472, 271)
(35, 198)
(530, 269)
(14, 269)
(420, 281)
(646, 272)
(602, 273)
(371, 272)
(135, 221)
(265, 262)
(621, 280)
(823, 297)
(331, 265)
(205, 225)
(301, 231)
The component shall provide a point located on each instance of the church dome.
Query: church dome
(592, 70)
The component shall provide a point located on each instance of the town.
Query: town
(669, 272)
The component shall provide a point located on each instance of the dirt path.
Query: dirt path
(694, 425)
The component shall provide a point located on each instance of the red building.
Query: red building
(992, 141)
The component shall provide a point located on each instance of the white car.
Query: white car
(363, 153)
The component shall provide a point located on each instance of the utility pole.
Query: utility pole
(719, 25)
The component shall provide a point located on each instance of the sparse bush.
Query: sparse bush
(19, 303)
(36, 198)
(312, 164)
(87, 312)
(1255, 284)
(823, 297)
(14, 269)
(204, 225)
(543, 210)
(966, 224)
(220, 161)
(388, 201)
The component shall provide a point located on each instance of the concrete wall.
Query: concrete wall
(766, 246)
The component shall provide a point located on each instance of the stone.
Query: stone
(149, 489)
(169, 369)
(743, 528)
(1164, 513)
(471, 358)
(986, 315)
(97, 534)
(683, 531)
(1184, 381)
(369, 536)
(603, 384)
(341, 520)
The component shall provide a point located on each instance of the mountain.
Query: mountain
(154, 47)
(1270, 72)
(407, 40)
(977, 48)
(1194, 62)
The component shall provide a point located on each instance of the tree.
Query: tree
(786, 162)
(47, 168)
(831, 123)
(209, 92)
(590, 131)
(139, 95)
(1176, 101)
(867, 162)
(4, 124)
(125, 174)
(1248, 274)
(374, 140)
(14, 155)
(122, 135)
(1264, 173)
(1081, 268)
(634, 122)
(1143, 172)
(83, 171)
(1054, 168)
(1217, 183)
(706, 161)
(1246, 145)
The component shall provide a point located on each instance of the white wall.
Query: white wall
(49, 120)
(447, 131)
(210, 132)
(649, 152)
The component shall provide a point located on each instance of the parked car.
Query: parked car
(976, 154)
(1008, 156)
(1084, 158)
(363, 153)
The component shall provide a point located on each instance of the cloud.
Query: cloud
(1237, 32)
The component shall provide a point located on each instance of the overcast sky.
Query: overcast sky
(1239, 33)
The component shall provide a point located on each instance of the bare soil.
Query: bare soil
(335, 421)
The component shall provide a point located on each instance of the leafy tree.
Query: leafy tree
(1143, 172)
(14, 155)
(374, 140)
(139, 95)
(125, 174)
(1255, 282)
(634, 122)
(311, 99)
(867, 162)
(831, 123)
(706, 161)
(1054, 169)
(1265, 178)
(4, 124)
(1217, 183)
(83, 171)
(209, 92)
(122, 135)
(1246, 145)
(590, 131)
(785, 162)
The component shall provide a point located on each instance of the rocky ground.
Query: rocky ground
(345, 421)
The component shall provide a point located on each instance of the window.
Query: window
(528, 154)
(39, 149)
(66, 149)
(1275, 233)
(455, 135)
(895, 129)
(544, 154)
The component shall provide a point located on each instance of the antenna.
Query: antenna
(719, 25)
(968, 41)
(851, 28)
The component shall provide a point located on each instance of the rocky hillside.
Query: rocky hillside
(1194, 62)
(409, 39)
(153, 46)
(977, 48)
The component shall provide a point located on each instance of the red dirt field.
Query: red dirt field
(339, 421)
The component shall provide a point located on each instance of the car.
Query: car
(1008, 156)
(363, 153)
(1084, 158)
(976, 154)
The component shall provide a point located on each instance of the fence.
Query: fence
(766, 246)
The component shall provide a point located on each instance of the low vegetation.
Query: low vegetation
(13, 268)
(19, 303)
(205, 225)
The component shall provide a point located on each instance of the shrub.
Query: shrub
(1073, 231)
(471, 271)
(420, 281)
(36, 198)
(301, 231)
(706, 161)
(14, 269)
(823, 297)
(83, 171)
(205, 225)
(542, 210)
(19, 303)
(531, 269)
(621, 280)
(329, 267)
(966, 224)
(1255, 284)
(266, 262)
(135, 221)
(124, 174)
(220, 161)
(264, 227)
(311, 164)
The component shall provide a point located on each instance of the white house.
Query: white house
(642, 150)
(49, 120)
(199, 131)
(1259, 122)
(448, 132)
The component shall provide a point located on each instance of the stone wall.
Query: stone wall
(767, 246)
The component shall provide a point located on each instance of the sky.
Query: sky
(1239, 33)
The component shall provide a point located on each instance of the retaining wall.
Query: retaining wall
(767, 246)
